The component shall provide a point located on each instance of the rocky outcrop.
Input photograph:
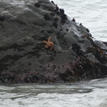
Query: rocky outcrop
(24, 25)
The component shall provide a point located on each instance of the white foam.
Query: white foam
(84, 94)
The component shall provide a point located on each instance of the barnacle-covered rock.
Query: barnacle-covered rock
(25, 24)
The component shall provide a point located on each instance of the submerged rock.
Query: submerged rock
(24, 25)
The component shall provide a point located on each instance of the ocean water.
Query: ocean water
(92, 14)
(83, 94)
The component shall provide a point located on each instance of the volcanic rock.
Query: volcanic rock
(24, 25)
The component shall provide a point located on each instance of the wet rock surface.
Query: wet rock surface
(24, 58)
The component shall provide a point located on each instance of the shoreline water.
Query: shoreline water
(82, 94)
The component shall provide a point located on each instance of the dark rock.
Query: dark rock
(87, 30)
(56, 19)
(57, 10)
(63, 18)
(76, 55)
(52, 14)
(55, 24)
(62, 11)
(52, 2)
(74, 20)
(2, 18)
(46, 17)
(37, 4)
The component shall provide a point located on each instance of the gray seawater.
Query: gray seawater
(92, 14)
(83, 94)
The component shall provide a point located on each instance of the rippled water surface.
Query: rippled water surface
(93, 15)
(83, 94)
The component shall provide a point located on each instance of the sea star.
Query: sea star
(49, 44)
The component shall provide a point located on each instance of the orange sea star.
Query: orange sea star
(49, 44)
